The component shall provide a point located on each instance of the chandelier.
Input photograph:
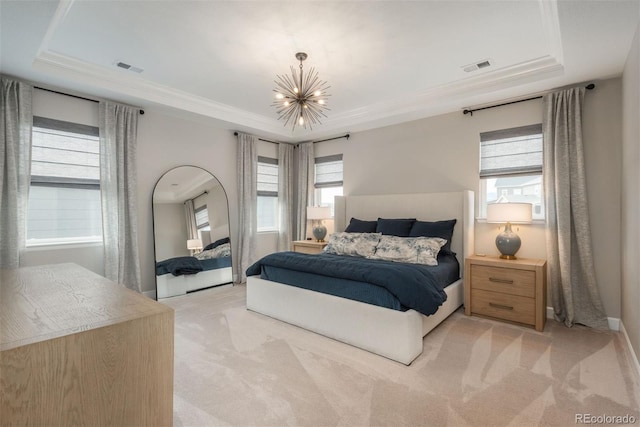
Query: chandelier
(300, 99)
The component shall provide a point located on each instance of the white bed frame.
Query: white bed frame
(169, 285)
(394, 334)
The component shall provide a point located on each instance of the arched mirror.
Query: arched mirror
(191, 232)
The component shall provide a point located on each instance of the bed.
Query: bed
(394, 334)
(180, 275)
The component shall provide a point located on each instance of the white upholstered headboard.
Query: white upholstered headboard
(422, 206)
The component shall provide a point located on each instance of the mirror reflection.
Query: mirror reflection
(191, 232)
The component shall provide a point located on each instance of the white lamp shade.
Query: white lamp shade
(194, 244)
(515, 213)
(317, 212)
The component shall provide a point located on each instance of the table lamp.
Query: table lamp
(317, 214)
(194, 245)
(509, 242)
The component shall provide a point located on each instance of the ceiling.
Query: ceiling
(182, 183)
(387, 62)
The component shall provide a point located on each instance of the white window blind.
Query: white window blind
(511, 168)
(515, 151)
(64, 198)
(267, 176)
(202, 217)
(328, 171)
(267, 206)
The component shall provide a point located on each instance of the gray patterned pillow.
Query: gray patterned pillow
(414, 250)
(352, 244)
(217, 252)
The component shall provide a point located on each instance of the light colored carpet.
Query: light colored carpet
(234, 367)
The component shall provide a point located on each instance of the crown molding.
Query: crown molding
(429, 101)
(392, 111)
(120, 82)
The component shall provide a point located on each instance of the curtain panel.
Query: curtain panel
(571, 273)
(15, 169)
(304, 188)
(190, 218)
(285, 195)
(118, 133)
(247, 169)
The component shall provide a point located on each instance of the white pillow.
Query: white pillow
(414, 250)
(352, 244)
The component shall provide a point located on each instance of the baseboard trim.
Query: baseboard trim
(634, 356)
(613, 322)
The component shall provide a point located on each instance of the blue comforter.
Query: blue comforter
(415, 286)
(179, 266)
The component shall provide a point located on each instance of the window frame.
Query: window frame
(319, 186)
(63, 182)
(530, 169)
(268, 194)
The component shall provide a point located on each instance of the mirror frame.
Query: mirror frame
(153, 225)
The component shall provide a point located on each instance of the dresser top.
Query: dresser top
(50, 301)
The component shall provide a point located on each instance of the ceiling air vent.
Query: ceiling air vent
(129, 67)
(478, 65)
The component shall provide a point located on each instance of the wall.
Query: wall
(433, 154)
(165, 142)
(442, 154)
(170, 241)
(630, 217)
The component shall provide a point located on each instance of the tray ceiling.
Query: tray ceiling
(386, 61)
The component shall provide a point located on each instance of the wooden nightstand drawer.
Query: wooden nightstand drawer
(502, 306)
(505, 280)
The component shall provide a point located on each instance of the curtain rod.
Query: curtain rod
(588, 87)
(313, 142)
(331, 139)
(72, 96)
(193, 198)
(260, 139)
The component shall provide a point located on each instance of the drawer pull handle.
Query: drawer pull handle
(493, 279)
(500, 306)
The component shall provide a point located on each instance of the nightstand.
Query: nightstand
(514, 291)
(308, 246)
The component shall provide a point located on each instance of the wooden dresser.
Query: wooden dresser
(78, 349)
(510, 290)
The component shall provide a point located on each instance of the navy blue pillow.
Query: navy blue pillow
(360, 226)
(395, 227)
(442, 229)
(217, 243)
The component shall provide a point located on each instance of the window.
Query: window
(328, 180)
(511, 168)
(202, 218)
(64, 196)
(267, 194)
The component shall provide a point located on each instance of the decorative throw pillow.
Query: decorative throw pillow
(400, 227)
(428, 249)
(216, 243)
(360, 226)
(220, 251)
(414, 250)
(352, 244)
(442, 229)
